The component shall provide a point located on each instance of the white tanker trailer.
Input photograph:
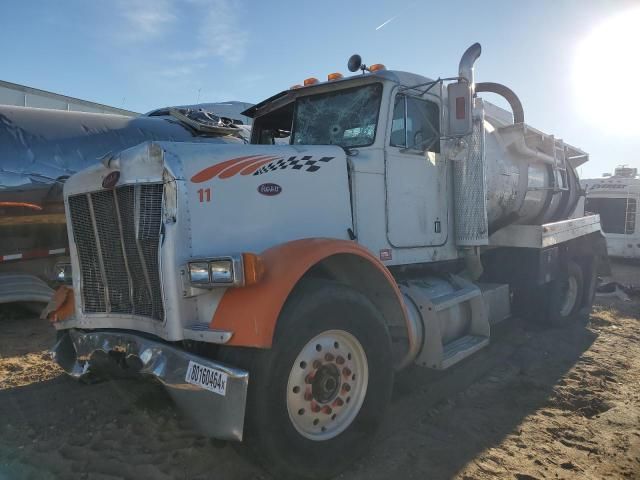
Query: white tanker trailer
(274, 289)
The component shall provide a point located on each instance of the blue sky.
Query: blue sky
(144, 54)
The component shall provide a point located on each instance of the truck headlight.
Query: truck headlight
(232, 270)
(199, 273)
(221, 271)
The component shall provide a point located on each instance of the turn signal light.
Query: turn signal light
(253, 268)
(377, 66)
(334, 76)
(310, 81)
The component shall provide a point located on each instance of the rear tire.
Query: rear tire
(317, 397)
(557, 303)
(565, 296)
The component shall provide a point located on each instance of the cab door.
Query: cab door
(416, 176)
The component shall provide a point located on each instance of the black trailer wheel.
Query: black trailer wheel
(565, 296)
(317, 397)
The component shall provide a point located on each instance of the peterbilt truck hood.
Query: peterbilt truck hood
(235, 198)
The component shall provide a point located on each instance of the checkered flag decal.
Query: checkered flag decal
(305, 163)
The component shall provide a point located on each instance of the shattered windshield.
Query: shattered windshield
(345, 117)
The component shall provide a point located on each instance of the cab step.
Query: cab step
(461, 348)
(200, 332)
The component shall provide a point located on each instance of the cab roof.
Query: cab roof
(405, 79)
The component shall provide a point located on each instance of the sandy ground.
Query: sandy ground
(536, 404)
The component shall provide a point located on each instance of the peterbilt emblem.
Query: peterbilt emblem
(269, 189)
(110, 180)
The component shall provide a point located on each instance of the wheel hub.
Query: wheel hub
(327, 385)
(569, 296)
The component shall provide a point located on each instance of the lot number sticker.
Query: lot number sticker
(208, 378)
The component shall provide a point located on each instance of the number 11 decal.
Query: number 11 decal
(204, 194)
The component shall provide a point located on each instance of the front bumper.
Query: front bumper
(220, 416)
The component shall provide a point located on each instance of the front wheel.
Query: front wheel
(319, 394)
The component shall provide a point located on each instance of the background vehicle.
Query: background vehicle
(616, 198)
(404, 219)
(39, 150)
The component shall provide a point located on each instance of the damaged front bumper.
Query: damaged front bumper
(217, 412)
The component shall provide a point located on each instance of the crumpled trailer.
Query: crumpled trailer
(39, 150)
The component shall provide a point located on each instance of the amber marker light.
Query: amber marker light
(334, 76)
(310, 81)
(253, 268)
(377, 67)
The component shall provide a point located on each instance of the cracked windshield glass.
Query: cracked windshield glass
(347, 117)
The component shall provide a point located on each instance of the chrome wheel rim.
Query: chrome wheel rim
(570, 296)
(327, 385)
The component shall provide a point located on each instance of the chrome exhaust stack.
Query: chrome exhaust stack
(469, 57)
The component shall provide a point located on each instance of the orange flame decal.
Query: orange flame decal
(210, 172)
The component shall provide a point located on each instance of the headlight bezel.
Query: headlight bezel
(215, 272)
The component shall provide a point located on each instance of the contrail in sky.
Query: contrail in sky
(396, 15)
(390, 20)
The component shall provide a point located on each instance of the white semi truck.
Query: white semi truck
(274, 289)
(616, 198)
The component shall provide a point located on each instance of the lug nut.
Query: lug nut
(327, 410)
(346, 387)
(308, 396)
(309, 378)
(346, 372)
(339, 360)
(317, 364)
(338, 402)
(315, 408)
(329, 357)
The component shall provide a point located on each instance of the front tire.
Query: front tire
(317, 397)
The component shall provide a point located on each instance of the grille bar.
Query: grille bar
(117, 236)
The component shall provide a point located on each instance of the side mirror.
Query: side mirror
(460, 102)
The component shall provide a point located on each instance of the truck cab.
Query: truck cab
(400, 183)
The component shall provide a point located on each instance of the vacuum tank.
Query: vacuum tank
(512, 173)
(530, 176)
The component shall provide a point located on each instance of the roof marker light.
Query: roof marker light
(335, 76)
(293, 87)
(310, 81)
(377, 66)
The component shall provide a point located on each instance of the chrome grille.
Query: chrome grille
(117, 236)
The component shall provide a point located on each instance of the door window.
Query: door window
(415, 124)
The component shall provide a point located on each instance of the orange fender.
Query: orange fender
(251, 312)
(61, 305)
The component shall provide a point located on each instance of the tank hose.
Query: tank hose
(508, 94)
